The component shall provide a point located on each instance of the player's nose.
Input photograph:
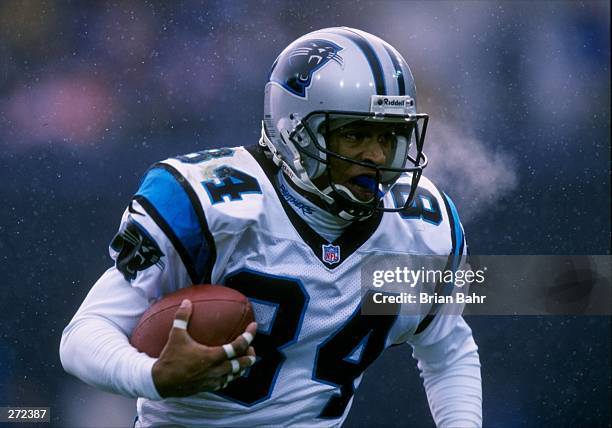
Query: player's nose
(374, 151)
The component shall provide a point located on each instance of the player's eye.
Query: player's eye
(387, 138)
(355, 136)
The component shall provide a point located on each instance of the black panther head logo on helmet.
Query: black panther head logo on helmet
(305, 58)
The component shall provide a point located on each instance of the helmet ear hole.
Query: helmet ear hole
(311, 155)
(320, 166)
(304, 136)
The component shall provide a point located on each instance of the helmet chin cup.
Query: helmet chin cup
(346, 205)
(342, 189)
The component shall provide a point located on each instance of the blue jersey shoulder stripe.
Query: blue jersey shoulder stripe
(163, 225)
(456, 230)
(174, 206)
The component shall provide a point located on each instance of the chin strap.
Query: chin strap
(334, 205)
(342, 206)
(302, 180)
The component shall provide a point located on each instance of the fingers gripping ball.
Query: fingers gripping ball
(219, 315)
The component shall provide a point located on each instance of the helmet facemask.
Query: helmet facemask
(313, 135)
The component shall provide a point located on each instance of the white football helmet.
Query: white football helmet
(332, 77)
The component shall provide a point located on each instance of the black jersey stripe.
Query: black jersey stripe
(176, 242)
(205, 274)
(197, 248)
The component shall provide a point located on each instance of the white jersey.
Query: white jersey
(218, 217)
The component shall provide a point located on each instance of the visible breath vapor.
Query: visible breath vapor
(474, 175)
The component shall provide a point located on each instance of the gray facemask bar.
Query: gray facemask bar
(419, 161)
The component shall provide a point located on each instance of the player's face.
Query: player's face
(366, 142)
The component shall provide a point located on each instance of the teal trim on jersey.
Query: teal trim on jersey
(335, 363)
(264, 325)
(174, 205)
(458, 241)
(355, 355)
(454, 259)
(417, 209)
(291, 298)
(232, 184)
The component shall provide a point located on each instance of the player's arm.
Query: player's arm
(95, 348)
(450, 367)
(148, 265)
(446, 352)
(94, 345)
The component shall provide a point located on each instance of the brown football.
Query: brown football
(219, 315)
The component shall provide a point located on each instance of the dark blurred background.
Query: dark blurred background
(92, 93)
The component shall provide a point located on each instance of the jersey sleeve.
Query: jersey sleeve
(449, 363)
(456, 258)
(95, 347)
(163, 242)
(161, 246)
(445, 349)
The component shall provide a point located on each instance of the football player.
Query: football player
(334, 182)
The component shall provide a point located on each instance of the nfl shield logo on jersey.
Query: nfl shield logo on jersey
(331, 253)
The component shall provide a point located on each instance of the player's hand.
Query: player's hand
(186, 367)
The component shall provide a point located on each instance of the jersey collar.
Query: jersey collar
(331, 254)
